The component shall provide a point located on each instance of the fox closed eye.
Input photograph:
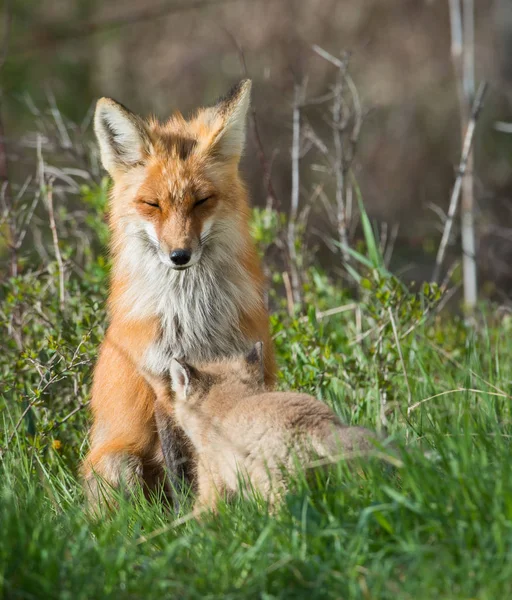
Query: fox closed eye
(202, 201)
(153, 204)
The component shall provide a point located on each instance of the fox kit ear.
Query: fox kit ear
(230, 139)
(255, 359)
(180, 378)
(123, 138)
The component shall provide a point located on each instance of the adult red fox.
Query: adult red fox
(186, 280)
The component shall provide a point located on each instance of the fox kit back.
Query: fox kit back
(186, 280)
(240, 430)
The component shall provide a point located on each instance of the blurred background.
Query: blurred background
(156, 56)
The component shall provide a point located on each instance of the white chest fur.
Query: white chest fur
(199, 309)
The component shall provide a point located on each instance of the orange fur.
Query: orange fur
(172, 165)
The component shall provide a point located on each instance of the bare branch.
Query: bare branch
(305, 212)
(468, 66)
(503, 126)
(24, 228)
(469, 271)
(329, 57)
(455, 391)
(358, 111)
(332, 311)
(55, 237)
(289, 293)
(466, 149)
(294, 204)
(340, 169)
(346, 121)
(64, 138)
(388, 253)
(69, 415)
(463, 58)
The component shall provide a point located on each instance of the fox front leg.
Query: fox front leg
(174, 444)
(106, 472)
(176, 454)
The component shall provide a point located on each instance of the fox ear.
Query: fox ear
(255, 360)
(229, 141)
(122, 136)
(180, 377)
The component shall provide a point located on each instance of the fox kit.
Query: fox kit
(186, 280)
(240, 431)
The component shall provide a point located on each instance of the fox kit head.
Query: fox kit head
(234, 377)
(176, 184)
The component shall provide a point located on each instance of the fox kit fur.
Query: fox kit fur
(186, 280)
(240, 431)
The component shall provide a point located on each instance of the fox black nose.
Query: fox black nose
(180, 257)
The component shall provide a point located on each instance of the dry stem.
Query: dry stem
(55, 237)
(295, 196)
(466, 149)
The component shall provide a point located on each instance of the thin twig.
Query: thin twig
(358, 320)
(29, 406)
(335, 311)
(305, 212)
(323, 314)
(289, 293)
(456, 363)
(399, 348)
(446, 297)
(468, 27)
(350, 455)
(161, 530)
(466, 149)
(458, 390)
(328, 56)
(383, 237)
(390, 246)
(65, 140)
(294, 203)
(469, 271)
(343, 158)
(345, 123)
(28, 219)
(503, 126)
(448, 276)
(358, 111)
(363, 335)
(383, 395)
(58, 256)
(339, 165)
(463, 58)
(68, 416)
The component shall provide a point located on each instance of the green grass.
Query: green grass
(438, 526)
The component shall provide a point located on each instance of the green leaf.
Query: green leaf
(371, 244)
